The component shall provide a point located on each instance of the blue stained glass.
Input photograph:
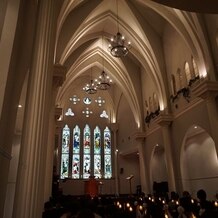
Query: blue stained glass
(97, 141)
(107, 141)
(76, 140)
(86, 166)
(86, 142)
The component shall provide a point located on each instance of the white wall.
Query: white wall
(200, 165)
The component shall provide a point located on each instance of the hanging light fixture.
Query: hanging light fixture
(90, 88)
(104, 81)
(118, 46)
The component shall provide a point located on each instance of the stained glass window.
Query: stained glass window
(76, 153)
(65, 152)
(86, 151)
(107, 153)
(97, 152)
(90, 157)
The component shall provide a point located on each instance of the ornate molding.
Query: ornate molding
(138, 135)
(206, 89)
(164, 119)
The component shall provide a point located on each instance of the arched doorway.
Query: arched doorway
(199, 164)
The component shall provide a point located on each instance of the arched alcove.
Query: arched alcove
(199, 164)
(158, 170)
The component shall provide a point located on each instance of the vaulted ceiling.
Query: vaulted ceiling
(83, 31)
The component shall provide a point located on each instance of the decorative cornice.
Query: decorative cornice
(138, 135)
(59, 75)
(164, 119)
(206, 89)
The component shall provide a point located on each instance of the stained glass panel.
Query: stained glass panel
(76, 140)
(76, 166)
(107, 167)
(97, 166)
(86, 166)
(64, 165)
(65, 139)
(107, 141)
(97, 141)
(65, 152)
(86, 144)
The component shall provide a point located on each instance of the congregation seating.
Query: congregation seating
(134, 206)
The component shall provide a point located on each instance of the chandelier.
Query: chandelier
(104, 81)
(90, 88)
(118, 46)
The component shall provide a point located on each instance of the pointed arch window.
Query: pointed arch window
(86, 152)
(155, 102)
(97, 152)
(107, 153)
(65, 152)
(180, 78)
(173, 84)
(187, 72)
(195, 68)
(76, 153)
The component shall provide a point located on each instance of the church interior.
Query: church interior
(106, 98)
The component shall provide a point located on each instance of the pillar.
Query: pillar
(59, 75)
(114, 128)
(29, 194)
(144, 175)
(164, 120)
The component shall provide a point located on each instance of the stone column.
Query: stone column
(208, 91)
(144, 175)
(164, 121)
(114, 128)
(59, 75)
(29, 194)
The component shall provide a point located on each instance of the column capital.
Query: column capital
(164, 119)
(59, 75)
(139, 136)
(206, 89)
(114, 127)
